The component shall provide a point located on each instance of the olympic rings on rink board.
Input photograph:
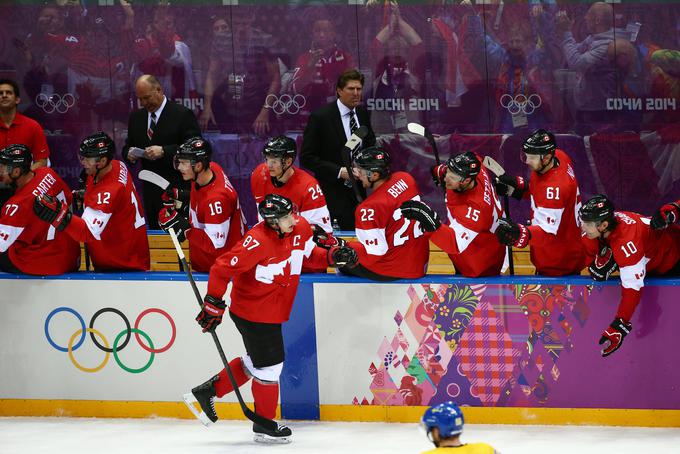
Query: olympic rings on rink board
(115, 348)
(285, 103)
(520, 103)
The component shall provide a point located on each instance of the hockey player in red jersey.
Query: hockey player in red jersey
(473, 210)
(625, 239)
(554, 234)
(28, 245)
(112, 225)
(265, 269)
(278, 175)
(390, 246)
(214, 222)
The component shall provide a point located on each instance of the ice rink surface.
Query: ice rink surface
(171, 436)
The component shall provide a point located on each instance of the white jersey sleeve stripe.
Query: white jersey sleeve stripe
(548, 219)
(319, 216)
(464, 235)
(374, 240)
(633, 276)
(96, 221)
(8, 235)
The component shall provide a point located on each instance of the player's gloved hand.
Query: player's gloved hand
(324, 239)
(339, 256)
(665, 216)
(603, 265)
(51, 209)
(175, 198)
(438, 173)
(512, 234)
(509, 185)
(171, 218)
(617, 331)
(211, 313)
(421, 212)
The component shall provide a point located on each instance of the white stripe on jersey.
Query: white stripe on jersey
(374, 240)
(96, 221)
(8, 235)
(464, 235)
(216, 232)
(633, 276)
(317, 216)
(548, 219)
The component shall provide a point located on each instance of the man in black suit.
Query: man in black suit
(326, 133)
(158, 128)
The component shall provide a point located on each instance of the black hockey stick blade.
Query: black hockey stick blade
(250, 414)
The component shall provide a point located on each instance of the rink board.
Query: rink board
(516, 350)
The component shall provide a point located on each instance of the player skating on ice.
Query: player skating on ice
(443, 425)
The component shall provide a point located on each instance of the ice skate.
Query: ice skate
(204, 395)
(281, 435)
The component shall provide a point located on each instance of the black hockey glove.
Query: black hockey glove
(175, 198)
(512, 234)
(512, 186)
(211, 313)
(421, 212)
(665, 216)
(342, 256)
(603, 265)
(324, 239)
(52, 210)
(438, 174)
(617, 331)
(171, 218)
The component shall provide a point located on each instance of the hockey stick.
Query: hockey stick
(495, 168)
(346, 153)
(254, 417)
(154, 178)
(420, 130)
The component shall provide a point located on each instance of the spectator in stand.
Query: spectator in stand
(318, 68)
(241, 101)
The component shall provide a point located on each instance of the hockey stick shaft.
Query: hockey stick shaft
(346, 154)
(254, 417)
(498, 170)
(506, 208)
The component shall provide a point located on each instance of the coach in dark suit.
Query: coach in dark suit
(159, 128)
(326, 133)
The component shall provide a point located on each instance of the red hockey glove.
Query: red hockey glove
(512, 186)
(665, 216)
(421, 212)
(175, 198)
(603, 265)
(512, 234)
(617, 331)
(211, 313)
(324, 239)
(438, 174)
(171, 218)
(342, 256)
(52, 210)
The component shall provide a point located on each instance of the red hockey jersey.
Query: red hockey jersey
(265, 270)
(639, 251)
(556, 248)
(34, 246)
(391, 245)
(112, 223)
(302, 189)
(216, 220)
(469, 240)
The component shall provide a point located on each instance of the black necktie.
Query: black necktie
(152, 126)
(352, 123)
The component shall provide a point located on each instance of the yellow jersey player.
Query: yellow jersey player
(443, 424)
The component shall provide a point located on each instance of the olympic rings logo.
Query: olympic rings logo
(55, 102)
(285, 103)
(117, 346)
(521, 103)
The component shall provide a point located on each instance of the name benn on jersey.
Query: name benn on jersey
(45, 185)
(397, 188)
